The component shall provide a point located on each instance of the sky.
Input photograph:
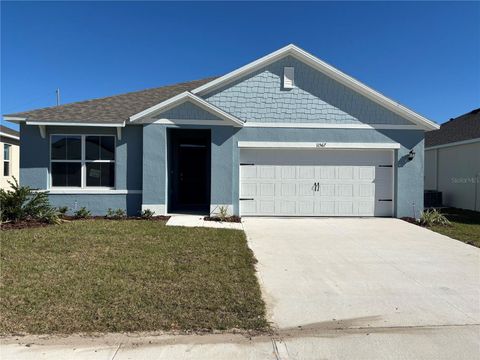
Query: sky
(425, 55)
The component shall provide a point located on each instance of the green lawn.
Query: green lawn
(131, 275)
(465, 226)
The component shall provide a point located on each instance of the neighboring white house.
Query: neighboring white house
(452, 161)
(10, 155)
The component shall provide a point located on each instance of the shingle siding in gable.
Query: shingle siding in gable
(259, 97)
(187, 111)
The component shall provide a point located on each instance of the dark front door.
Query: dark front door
(189, 170)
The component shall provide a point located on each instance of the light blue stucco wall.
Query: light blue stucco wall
(147, 172)
(225, 160)
(35, 164)
(260, 97)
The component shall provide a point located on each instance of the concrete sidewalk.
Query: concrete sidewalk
(456, 342)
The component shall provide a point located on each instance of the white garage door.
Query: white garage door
(277, 182)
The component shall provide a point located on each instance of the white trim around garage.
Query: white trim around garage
(331, 126)
(464, 142)
(316, 145)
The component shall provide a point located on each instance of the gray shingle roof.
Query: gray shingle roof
(9, 131)
(464, 127)
(113, 109)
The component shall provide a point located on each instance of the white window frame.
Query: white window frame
(83, 162)
(9, 147)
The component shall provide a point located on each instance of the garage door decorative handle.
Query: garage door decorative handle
(316, 186)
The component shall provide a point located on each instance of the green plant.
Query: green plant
(223, 213)
(62, 210)
(110, 213)
(147, 214)
(24, 203)
(433, 217)
(82, 213)
(115, 214)
(50, 216)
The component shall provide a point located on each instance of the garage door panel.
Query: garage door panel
(267, 172)
(344, 208)
(316, 183)
(366, 173)
(325, 208)
(286, 207)
(306, 207)
(342, 190)
(266, 207)
(248, 189)
(326, 173)
(345, 172)
(266, 189)
(306, 172)
(288, 172)
(366, 190)
(365, 208)
(306, 189)
(288, 189)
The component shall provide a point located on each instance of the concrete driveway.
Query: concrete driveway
(369, 276)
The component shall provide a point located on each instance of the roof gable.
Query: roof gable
(330, 71)
(150, 114)
(260, 97)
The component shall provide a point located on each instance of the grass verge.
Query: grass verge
(465, 226)
(126, 276)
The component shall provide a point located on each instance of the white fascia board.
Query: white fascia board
(179, 122)
(14, 119)
(327, 70)
(316, 145)
(183, 97)
(53, 123)
(331, 126)
(9, 136)
(463, 142)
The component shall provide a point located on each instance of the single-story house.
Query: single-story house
(452, 161)
(10, 155)
(285, 135)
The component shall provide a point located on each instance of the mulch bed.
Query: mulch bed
(410, 220)
(34, 223)
(231, 219)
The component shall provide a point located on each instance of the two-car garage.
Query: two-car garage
(316, 180)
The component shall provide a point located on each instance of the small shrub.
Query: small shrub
(24, 203)
(82, 213)
(223, 213)
(433, 217)
(62, 210)
(50, 216)
(147, 214)
(110, 213)
(116, 214)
